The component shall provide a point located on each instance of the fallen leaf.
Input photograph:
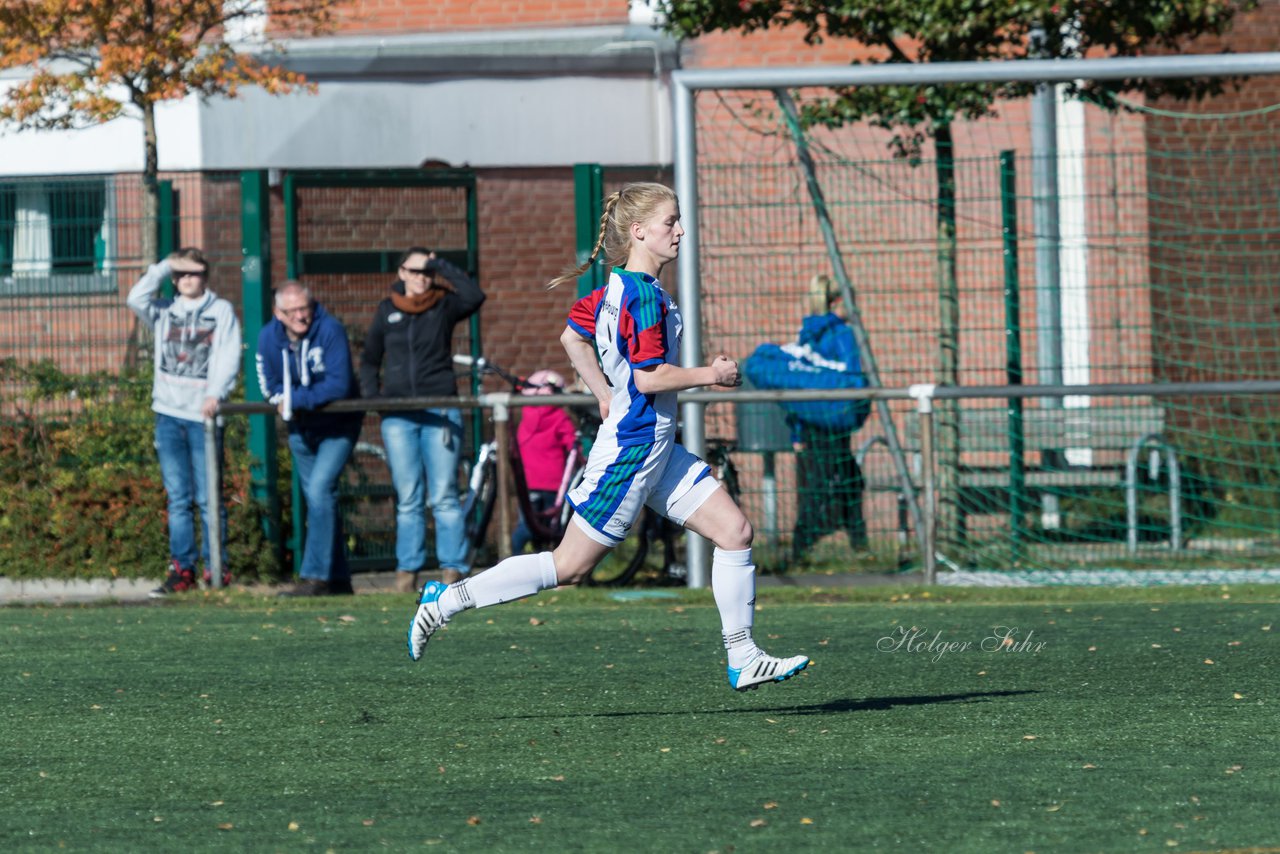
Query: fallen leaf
(534, 621)
(1088, 766)
(1053, 808)
(368, 822)
(995, 803)
(806, 821)
(771, 805)
(1028, 738)
(664, 749)
(293, 825)
(226, 826)
(216, 803)
(535, 820)
(758, 822)
(347, 618)
(1208, 661)
(473, 820)
(1237, 696)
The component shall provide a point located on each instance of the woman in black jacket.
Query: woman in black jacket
(410, 344)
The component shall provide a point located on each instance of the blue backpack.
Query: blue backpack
(796, 366)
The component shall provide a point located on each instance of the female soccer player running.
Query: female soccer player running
(635, 460)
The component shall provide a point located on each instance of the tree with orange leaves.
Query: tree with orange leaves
(91, 61)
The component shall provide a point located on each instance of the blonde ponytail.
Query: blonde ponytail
(610, 203)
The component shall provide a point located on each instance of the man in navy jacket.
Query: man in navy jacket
(304, 362)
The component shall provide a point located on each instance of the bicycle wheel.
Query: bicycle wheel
(485, 498)
(621, 565)
(652, 557)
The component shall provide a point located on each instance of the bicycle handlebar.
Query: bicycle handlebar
(484, 366)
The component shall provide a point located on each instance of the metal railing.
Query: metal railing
(924, 396)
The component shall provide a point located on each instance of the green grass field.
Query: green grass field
(1115, 720)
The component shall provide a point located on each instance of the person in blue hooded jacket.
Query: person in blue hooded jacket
(304, 362)
(830, 483)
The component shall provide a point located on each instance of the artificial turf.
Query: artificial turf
(572, 722)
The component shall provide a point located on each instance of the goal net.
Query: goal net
(1124, 243)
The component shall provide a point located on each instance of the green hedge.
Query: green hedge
(80, 488)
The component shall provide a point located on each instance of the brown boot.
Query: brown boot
(406, 582)
(450, 576)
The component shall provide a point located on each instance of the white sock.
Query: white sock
(512, 579)
(733, 583)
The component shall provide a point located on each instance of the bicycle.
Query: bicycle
(478, 502)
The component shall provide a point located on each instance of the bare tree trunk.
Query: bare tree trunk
(135, 353)
(150, 185)
(947, 418)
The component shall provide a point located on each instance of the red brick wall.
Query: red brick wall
(418, 16)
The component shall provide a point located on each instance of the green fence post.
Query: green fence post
(1013, 351)
(166, 229)
(255, 277)
(588, 206)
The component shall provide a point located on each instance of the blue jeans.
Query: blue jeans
(423, 449)
(318, 460)
(180, 447)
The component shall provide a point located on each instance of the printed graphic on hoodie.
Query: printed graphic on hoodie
(188, 345)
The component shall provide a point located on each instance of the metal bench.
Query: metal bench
(1063, 448)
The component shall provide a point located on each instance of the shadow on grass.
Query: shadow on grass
(884, 704)
(871, 704)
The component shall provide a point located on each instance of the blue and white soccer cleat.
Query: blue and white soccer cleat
(765, 668)
(427, 619)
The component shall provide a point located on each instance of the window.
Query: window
(55, 236)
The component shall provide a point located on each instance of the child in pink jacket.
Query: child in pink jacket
(545, 438)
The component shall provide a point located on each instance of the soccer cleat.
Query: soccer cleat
(177, 581)
(427, 619)
(765, 668)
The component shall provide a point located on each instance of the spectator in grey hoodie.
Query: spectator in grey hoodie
(197, 359)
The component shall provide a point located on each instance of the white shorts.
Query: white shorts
(617, 485)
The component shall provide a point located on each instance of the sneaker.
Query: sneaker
(307, 587)
(427, 619)
(765, 668)
(208, 578)
(178, 580)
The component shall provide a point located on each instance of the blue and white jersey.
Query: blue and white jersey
(635, 325)
(635, 459)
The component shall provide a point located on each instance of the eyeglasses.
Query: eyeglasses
(413, 271)
(295, 312)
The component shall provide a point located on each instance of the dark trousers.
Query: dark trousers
(830, 490)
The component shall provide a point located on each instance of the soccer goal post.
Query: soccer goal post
(754, 215)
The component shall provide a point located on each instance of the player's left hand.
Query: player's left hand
(726, 371)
